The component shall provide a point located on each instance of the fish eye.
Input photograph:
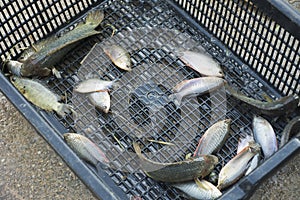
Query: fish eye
(13, 79)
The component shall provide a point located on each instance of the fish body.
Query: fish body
(202, 63)
(213, 138)
(292, 128)
(119, 56)
(277, 107)
(264, 135)
(237, 166)
(38, 59)
(253, 163)
(199, 189)
(40, 95)
(94, 85)
(195, 87)
(100, 100)
(85, 148)
(178, 171)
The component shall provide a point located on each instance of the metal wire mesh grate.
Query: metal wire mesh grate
(154, 34)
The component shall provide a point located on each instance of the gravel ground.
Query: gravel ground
(30, 169)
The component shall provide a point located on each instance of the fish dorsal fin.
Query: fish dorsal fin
(202, 184)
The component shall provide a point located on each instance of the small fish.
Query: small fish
(41, 96)
(94, 85)
(101, 100)
(42, 56)
(201, 63)
(86, 149)
(253, 163)
(292, 128)
(178, 171)
(119, 56)
(199, 189)
(213, 138)
(264, 135)
(243, 142)
(237, 166)
(275, 108)
(195, 87)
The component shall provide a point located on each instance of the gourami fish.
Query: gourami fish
(213, 138)
(101, 100)
(41, 96)
(199, 189)
(237, 166)
(94, 85)
(264, 135)
(119, 56)
(202, 63)
(86, 149)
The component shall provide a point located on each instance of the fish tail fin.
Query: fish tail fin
(93, 19)
(64, 109)
(116, 84)
(176, 98)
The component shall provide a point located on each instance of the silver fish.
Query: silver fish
(199, 189)
(243, 142)
(85, 149)
(41, 96)
(100, 100)
(213, 138)
(237, 166)
(264, 135)
(195, 87)
(201, 63)
(253, 164)
(94, 85)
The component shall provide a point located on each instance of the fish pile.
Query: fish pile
(189, 175)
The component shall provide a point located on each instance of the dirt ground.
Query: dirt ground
(30, 169)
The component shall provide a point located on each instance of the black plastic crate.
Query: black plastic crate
(256, 43)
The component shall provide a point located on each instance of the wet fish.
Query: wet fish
(199, 189)
(202, 63)
(213, 138)
(243, 142)
(264, 135)
(277, 107)
(86, 149)
(42, 56)
(119, 56)
(41, 96)
(100, 100)
(237, 166)
(195, 87)
(292, 128)
(253, 163)
(178, 171)
(94, 85)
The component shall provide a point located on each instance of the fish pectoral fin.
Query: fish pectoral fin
(56, 73)
(202, 184)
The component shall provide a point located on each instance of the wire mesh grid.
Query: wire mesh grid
(154, 34)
